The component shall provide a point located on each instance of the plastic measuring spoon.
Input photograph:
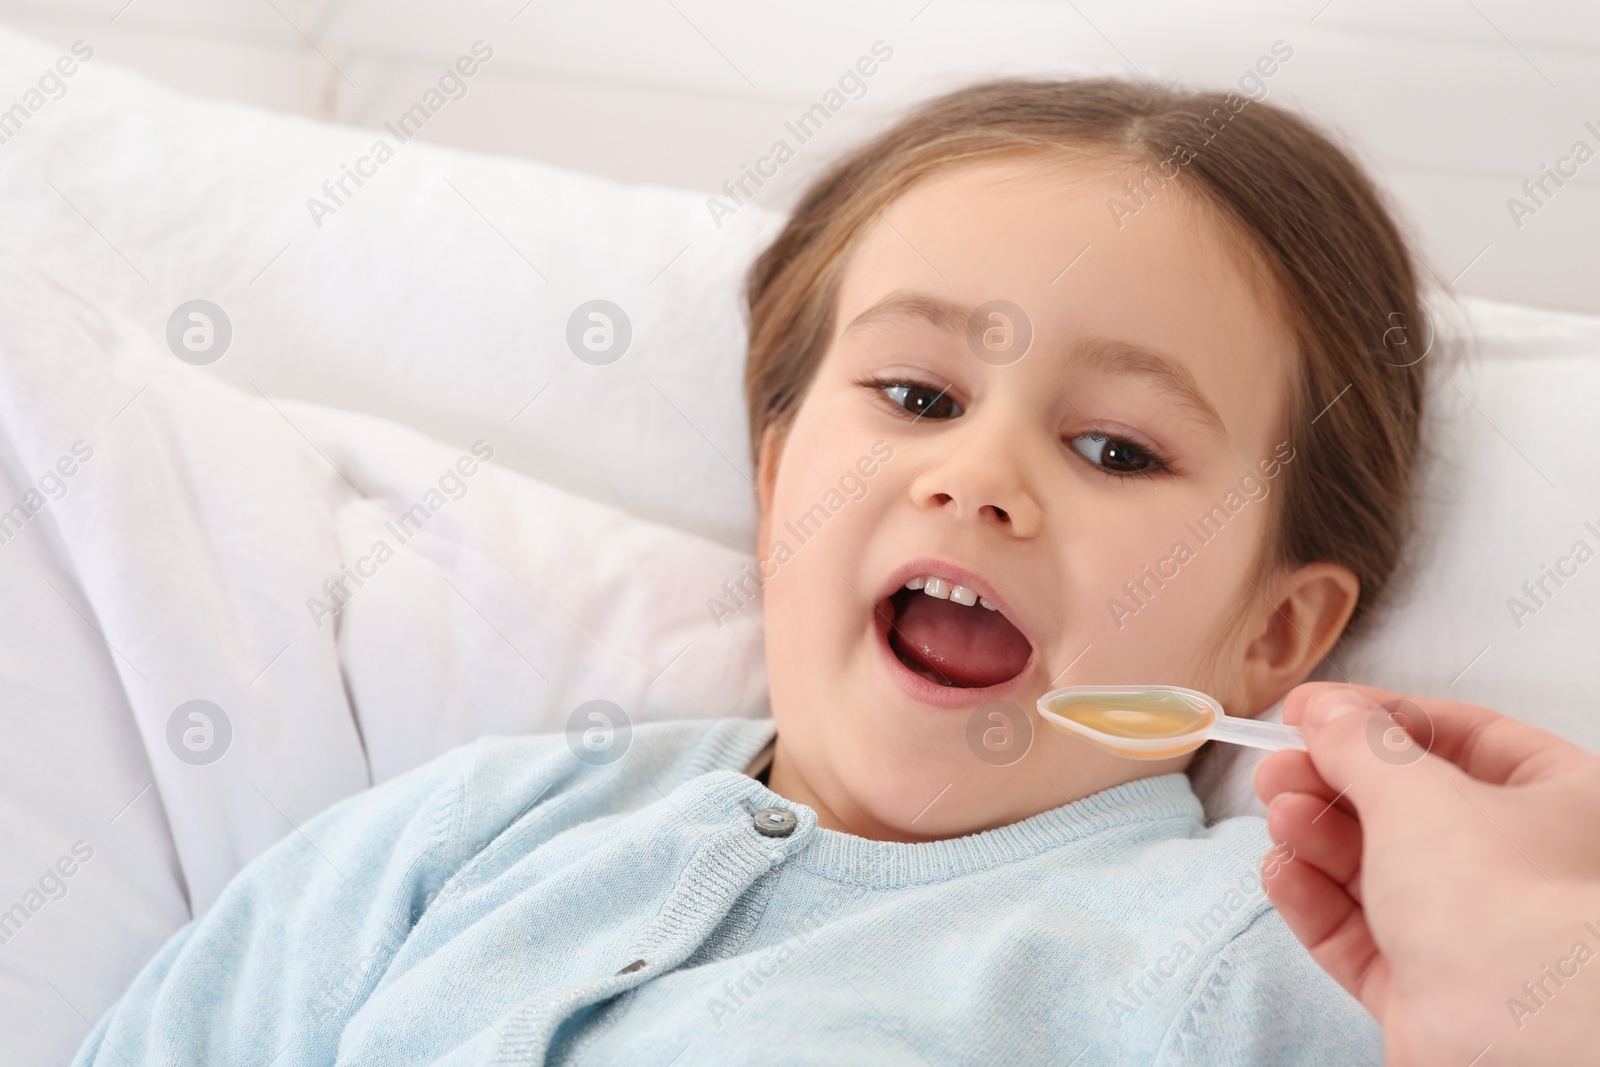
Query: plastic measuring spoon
(1157, 721)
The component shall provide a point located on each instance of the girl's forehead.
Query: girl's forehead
(1096, 257)
(1058, 229)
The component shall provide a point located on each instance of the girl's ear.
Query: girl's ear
(1308, 612)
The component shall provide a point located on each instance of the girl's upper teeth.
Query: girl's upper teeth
(945, 589)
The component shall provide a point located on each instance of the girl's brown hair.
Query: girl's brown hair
(1326, 243)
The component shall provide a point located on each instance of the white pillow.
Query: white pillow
(1510, 489)
(438, 295)
(516, 603)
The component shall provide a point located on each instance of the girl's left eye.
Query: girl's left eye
(1116, 455)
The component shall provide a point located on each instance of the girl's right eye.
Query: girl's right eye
(918, 400)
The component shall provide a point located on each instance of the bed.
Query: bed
(217, 400)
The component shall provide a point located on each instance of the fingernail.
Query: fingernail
(1331, 704)
(1271, 804)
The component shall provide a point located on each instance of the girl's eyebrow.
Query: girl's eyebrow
(1105, 354)
(1168, 374)
(935, 310)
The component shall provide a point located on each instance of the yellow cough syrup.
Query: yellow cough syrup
(1141, 716)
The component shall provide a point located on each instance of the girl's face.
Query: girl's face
(1107, 489)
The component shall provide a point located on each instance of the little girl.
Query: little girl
(1115, 371)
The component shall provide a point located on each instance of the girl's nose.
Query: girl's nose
(981, 477)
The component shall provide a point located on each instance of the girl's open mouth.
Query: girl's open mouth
(950, 643)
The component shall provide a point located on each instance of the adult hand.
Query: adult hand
(1452, 885)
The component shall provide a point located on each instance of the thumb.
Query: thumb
(1376, 750)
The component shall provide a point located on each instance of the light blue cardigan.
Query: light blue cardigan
(511, 904)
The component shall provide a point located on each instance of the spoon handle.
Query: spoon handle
(1253, 733)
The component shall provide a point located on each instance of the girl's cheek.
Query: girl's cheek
(1170, 598)
(818, 503)
(1139, 587)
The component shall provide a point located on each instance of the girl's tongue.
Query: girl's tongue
(953, 644)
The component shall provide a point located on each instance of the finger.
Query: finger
(1290, 771)
(1294, 705)
(1486, 745)
(1395, 791)
(1493, 748)
(1321, 835)
(1331, 926)
(1398, 795)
